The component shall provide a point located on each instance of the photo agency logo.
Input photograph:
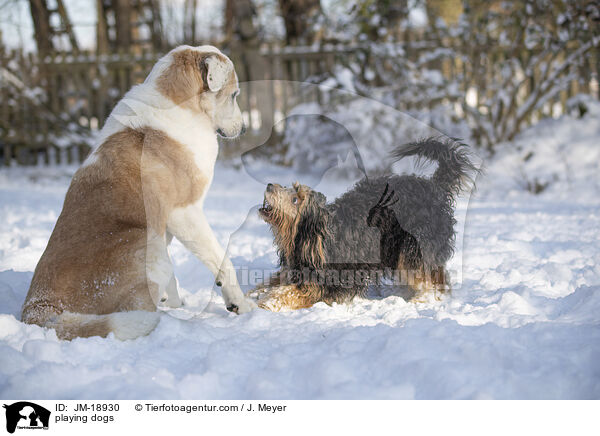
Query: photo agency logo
(25, 415)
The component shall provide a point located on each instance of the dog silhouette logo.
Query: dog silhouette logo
(26, 415)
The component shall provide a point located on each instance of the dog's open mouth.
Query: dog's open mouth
(266, 209)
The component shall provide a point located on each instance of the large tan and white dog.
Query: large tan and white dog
(106, 266)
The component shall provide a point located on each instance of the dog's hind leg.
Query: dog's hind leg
(441, 282)
(426, 284)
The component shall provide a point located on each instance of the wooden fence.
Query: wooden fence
(51, 107)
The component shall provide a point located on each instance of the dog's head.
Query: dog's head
(298, 218)
(201, 79)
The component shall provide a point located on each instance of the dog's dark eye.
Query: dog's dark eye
(295, 200)
(234, 95)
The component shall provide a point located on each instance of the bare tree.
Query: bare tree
(120, 24)
(40, 16)
(378, 19)
(239, 22)
(190, 21)
(52, 26)
(544, 49)
(123, 20)
(300, 18)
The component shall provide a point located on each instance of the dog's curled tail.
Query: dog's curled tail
(455, 172)
(125, 325)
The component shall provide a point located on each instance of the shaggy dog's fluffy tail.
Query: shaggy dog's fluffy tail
(455, 171)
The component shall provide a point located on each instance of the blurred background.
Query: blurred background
(479, 70)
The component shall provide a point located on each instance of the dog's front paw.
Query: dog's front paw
(243, 306)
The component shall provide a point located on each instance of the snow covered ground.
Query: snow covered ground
(524, 321)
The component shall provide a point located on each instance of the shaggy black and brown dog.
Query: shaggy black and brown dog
(401, 227)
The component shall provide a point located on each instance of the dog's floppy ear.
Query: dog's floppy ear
(303, 193)
(215, 71)
(310, 233)
(319, 198)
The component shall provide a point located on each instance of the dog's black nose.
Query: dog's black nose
(269, 187)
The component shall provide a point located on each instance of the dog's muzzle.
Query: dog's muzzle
(267, 208)
(220, 132)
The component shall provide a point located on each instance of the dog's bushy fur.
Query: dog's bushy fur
(383, 224)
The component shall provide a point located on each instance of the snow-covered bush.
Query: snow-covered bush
(509, 65)
(519, 57)
(557, 157)
(355, 105)
(319, 136)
